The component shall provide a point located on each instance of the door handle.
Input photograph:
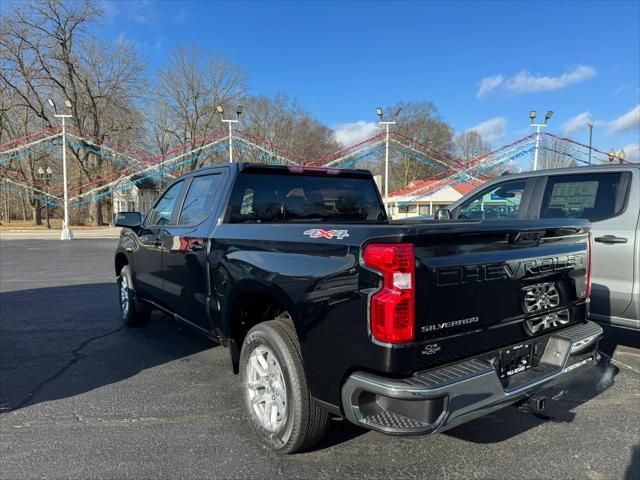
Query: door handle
(610, 239)
(157, 242)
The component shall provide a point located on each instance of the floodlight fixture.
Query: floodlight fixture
(379, 112)
(239, 110)
(532, 115)
(41, 171)
(220, 109)
(67, 103)
(548, 116)
(51, 103)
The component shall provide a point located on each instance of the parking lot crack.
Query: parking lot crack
(76, 356)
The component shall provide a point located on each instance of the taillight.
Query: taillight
(392, 312)
(588, 290)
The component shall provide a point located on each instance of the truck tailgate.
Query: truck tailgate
(528, 276)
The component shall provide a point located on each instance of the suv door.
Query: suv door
(186, 244)
(506, 200)
(148, 259)
(603, 198)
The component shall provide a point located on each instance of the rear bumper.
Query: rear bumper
(442, 398)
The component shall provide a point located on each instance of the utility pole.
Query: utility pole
(590, 141)
(386, 124)
(532, 117)
(230, 121)
(67, 233)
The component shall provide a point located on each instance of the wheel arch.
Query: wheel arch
(249, 303)
(120, 261)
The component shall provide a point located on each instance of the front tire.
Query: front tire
(132, 313)
(276, 395)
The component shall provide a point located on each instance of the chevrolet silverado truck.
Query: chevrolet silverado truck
(329, 309)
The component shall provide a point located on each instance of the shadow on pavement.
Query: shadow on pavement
(44, 332)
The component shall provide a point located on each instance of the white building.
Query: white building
(420, 198)
(138, 197)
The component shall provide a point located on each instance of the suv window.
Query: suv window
(199, 198)
(594, 196)
(501, 202)
(279, 198)
(162, 212)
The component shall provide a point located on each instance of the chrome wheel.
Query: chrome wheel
(550, 320)
(266, 389)
(124, 296)
(541, 297)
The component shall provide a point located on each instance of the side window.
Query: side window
(502, 202)
(199, 199)
(161, 214)
(595, 196)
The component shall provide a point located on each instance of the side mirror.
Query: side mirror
(128, 219)
(443, 214)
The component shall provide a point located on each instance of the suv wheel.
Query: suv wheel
(131, 312)
(276, 395)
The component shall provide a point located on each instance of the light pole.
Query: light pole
(590, 140)
(386, 124)
(45, 175)
(532, 116)
(67, 233)
(230, 121)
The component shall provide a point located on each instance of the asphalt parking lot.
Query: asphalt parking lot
(83, 397)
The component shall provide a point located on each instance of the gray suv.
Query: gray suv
(607, 195)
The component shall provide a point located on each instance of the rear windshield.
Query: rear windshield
(284, 198)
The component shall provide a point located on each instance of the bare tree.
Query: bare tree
(556, 154)
(190, 88)
(421, 122)
(282, 122)
(46, 51)
(470, 144)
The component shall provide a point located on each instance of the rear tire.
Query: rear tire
(133, 314)
(276, 394)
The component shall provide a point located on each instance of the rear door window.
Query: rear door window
(594, 196)
(199, 199)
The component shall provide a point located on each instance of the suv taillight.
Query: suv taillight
(392, 312)
(588, 291)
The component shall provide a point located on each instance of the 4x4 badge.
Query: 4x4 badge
(319, 233)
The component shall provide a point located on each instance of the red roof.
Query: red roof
(418, 186)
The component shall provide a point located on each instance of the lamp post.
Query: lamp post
(386, 124)
(538, 126)
(67, 233)
(590, 141)
(230, 121)
(45, 175)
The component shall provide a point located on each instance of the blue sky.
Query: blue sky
(484, 64)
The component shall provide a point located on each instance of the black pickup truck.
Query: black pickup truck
(328, 308)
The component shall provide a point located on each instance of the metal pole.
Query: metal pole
(66, 234)
(386, 171)
(535, 154)
(590, 141)
(46, 206)
(6, 202)
(230, 144)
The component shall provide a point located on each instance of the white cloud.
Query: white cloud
(349, 133)
(489, 84)
(492, 130)
(632, 152)
(628, 121)
(577, 123)
(525, 82)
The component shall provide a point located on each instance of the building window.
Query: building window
(407, 208)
